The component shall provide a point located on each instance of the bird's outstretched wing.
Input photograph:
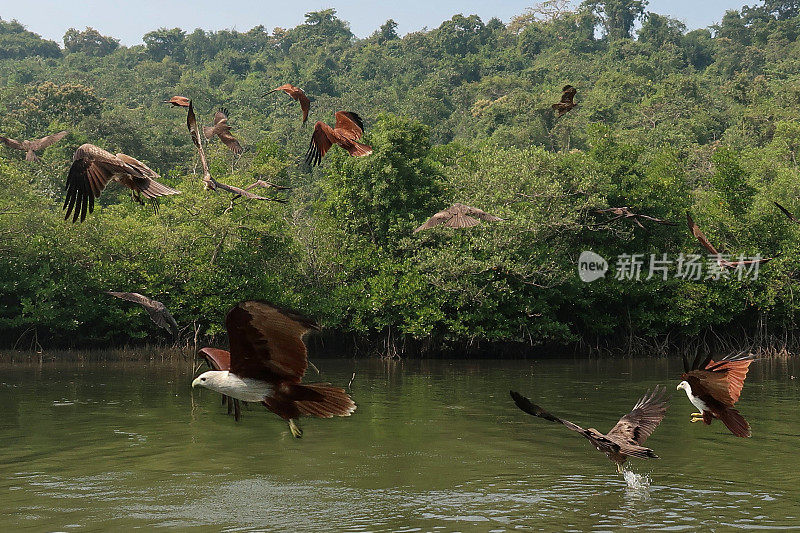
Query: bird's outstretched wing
(695, 231)
(266, 185)
(786, 212)
(178, 101)
(296, 93)
(158, 311)
(568, 94)
(320, 143)
(722, 380)
(46, 141)
(215, 358)
(349, 125)
(194, 132)
(222, 130)
(643, 419)
(458, 216)
(92, 168)
(532, 409)
(480, 214)
(267, 341)
(12, 143)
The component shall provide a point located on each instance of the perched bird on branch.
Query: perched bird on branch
(348, 129)
(627, 437)
(93, 168)
(458, 216)
(31, 147)
(297, 94)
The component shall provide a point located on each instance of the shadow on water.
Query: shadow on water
(433, 444)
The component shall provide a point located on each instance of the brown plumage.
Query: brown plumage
(566, 103)
(695, 231)
(211, 183)
(267, 185)
(348, 130)
(627, 214)
(458, 216)
(31, 147)
(714, 387)
(217, 359)
(268, 353)
(158, 312)
(93, 168)
(222, 130)
(178, 101)
(786, 212)
(627, 437)
(297, 94)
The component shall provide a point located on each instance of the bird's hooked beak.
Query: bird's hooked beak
(196, 382)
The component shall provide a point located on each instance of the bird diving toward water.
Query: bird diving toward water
(713, 251)
(297, 94)
(348, 130)
(158, 312)
(458, 216)
(93, 168)
(178, 101)
(567, 102)
(268, 359)
(222, 130)
(626, 439)
(31, 147)
(714, 387)
(626, 214)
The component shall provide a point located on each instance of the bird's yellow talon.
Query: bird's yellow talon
(295, 429)
(695, 419)
(697, 414)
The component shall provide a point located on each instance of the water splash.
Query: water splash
(637, 483)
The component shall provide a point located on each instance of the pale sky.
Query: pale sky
(129, 20)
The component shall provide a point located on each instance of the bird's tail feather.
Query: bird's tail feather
(358, 149)
(735, 422)
(322, 400)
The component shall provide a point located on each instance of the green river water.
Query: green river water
(434, 446)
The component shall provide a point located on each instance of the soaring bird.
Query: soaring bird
(626, 439)
(348, 130)
(31, 147)
(627, 214)
(713, 251)
(178, 101)
(458, 216)
(217, 359)
(158, 312)
(566, 104)
(93, 168)
(786, 212)
(267, 361)
(714, 387)
(222, 130)
(296, 93)
(211, 183)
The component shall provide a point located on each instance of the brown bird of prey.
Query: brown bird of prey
(786, 212)
(93, 168)
(211, 183)
(158, 312)
(627, 214)
(348, 130)
(222, 130)
(31, 147)
(566, 104)
(267, 362)
(626, 439)
(458, 216)
(297, 94)
(714, 387)
(713, 251)
(217, 359)
(178, 101)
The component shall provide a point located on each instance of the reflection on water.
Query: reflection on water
(434, 445)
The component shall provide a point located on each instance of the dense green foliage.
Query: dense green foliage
(668, 121)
